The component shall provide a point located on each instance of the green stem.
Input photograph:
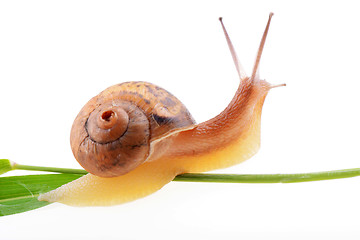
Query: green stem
(268, 178)
(48, 169)
(229, 178)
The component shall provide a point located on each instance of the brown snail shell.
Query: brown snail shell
(112, 133)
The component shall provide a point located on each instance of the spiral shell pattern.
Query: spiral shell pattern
(112, 133)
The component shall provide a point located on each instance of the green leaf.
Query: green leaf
(5, 166)
(19, 193)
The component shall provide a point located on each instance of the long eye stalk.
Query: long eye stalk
(255, 73)
(239, 67)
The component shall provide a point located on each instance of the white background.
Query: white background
(55, 55)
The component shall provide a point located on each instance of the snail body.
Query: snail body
(125, 165)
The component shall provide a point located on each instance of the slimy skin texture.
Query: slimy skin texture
(91, 190)
(230, 138)
(234, 139)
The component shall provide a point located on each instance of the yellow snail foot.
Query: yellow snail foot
(91, 190)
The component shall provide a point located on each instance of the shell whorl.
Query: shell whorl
(107, 123)
(112, 133)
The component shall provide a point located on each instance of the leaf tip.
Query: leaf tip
(6, 165)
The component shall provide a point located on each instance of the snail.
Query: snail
(135, 137)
